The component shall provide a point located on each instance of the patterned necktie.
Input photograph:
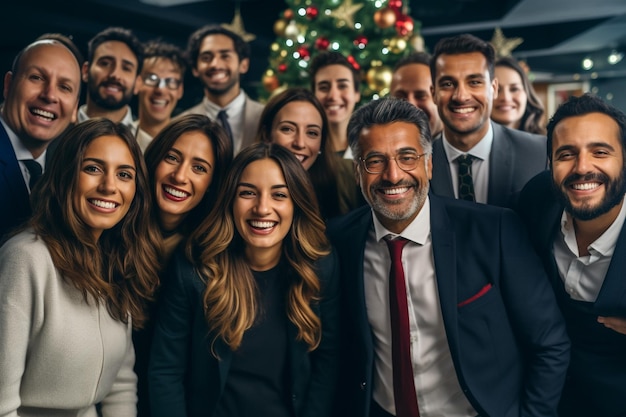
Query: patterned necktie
(404, 394)
(35, 170)
(466, 184)
(223, 118)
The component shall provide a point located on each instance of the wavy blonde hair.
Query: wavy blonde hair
(217, 250)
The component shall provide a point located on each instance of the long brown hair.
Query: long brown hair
(122, 266)
(217, 249)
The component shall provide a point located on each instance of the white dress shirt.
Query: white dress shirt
(480, 165)
(126, 121)
(438, 391)
(236, 117)
(584, 275)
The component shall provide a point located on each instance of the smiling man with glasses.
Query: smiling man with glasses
(160, 86)
(447, 307)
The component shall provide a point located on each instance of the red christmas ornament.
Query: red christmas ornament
(395, 4)
(288, 14)
(282, 67)
(360, 40)
(353, 62)
(322, 43)
(311, 12)
(304, 52)
(404, 25)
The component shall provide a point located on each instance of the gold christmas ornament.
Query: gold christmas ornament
(345, 13)
(504, 46)
(379, 78)
(275, 47)
(385, 17)
(397, 45)
(292, 31)
(417, 43)
(279, 27)
(270, 82)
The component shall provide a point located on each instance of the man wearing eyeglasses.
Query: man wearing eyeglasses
(114, 59)
(159, 88)
(447, 308)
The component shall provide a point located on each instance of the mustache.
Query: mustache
(114, 83)
(389, 184)
(593, 176)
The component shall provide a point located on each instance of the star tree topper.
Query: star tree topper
(236, 26)
(502, 45)
(345, 13)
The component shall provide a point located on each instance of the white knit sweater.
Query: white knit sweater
(59, 356)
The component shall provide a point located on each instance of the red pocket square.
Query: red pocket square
(476, 296)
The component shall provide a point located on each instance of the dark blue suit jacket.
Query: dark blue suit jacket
(185, 378)
(596, 383)
(16, 204)
(515, 158)
(509, 346)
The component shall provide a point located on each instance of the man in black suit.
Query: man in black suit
(575, 213)
(502, 160)
(482, 333)
(41, 95)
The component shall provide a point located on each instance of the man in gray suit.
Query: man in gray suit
(218, 59)
(474, 158)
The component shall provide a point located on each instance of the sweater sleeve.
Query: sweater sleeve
(121, 401)
(22, 274)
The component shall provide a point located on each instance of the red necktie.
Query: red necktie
(403, 384)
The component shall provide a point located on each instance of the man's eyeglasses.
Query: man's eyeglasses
(376, 164)
(153, 80)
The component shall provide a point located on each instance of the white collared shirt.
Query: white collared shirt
(480, 165)
(126, 121)
(236, 117)
(584, 275)
(436, 384)
(21, 153)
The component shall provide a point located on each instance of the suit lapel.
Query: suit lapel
(612, 297)
(11, 174)
(250, 122)
(356, 286)
(500, 168)
(444, 254)
(441, 183)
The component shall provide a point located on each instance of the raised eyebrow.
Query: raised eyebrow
(201, 160)
(44, 72)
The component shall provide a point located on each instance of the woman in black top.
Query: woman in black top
(248, 319)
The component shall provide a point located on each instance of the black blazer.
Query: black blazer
(597, 375)
(185, 378)
(16, 207)
(506, 335)
(515, 158)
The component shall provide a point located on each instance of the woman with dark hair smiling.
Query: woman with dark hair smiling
(76, 280)
(248, 319)
(296, 120)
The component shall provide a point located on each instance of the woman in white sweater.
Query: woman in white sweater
(74, 282)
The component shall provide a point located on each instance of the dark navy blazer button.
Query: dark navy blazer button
(363, 385)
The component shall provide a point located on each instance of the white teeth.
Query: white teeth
(464, 110)
(261, 225)
(333, 108)
(43, 113)
(159, 102)
(300, 157)
(394, 191)
(585, 186)
(175, 192)
(218, 76)
(103, 204)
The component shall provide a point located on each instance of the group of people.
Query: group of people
(435, 253)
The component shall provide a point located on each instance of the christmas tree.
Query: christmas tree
(372, 34)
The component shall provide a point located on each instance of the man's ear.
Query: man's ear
(85, 72)
(8, 77)
(244, 65)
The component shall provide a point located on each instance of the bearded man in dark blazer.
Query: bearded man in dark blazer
(575, 214)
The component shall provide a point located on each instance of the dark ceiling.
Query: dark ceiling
(557, 34)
